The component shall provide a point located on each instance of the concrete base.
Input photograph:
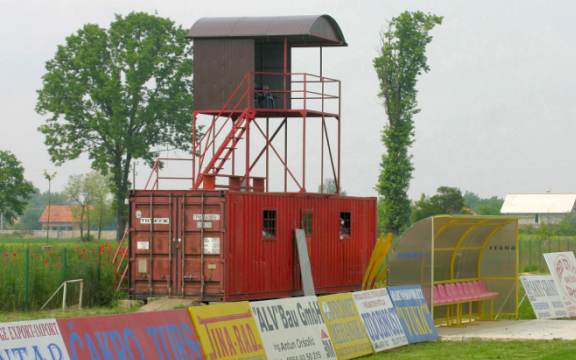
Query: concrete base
(160, 304)
(512, 330)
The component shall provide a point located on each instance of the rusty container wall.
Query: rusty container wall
(166, 257)
(211, 245)
(219, 67)
(264, 267)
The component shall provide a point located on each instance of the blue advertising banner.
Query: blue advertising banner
(155, 335)
(379, 316)
(413, 312)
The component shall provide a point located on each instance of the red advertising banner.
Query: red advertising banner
(154, 335)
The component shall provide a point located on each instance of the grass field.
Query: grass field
(33, 268)
(532, 246)
(58, 314)
(484, 350)
(38, 266)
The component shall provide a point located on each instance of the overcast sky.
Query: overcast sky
(498, 110)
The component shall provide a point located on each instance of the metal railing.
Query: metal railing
(260, 92)
(295, 91)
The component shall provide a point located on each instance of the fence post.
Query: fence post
(64, 273)
(27, 279)
(99, 263)
(529, 243)
(540, 256)
(81, 294)
(64, 296)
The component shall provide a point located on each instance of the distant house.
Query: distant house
(538, 209)
(61, 218)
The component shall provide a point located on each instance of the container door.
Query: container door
(201, 238)
(152, 233)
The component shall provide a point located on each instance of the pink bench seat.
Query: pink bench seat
(461, 292)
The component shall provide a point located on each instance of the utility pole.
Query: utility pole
(134, 175)
(49, 177)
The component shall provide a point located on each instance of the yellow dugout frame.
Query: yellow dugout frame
(454, 248)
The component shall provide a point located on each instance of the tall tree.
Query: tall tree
(79, 194)
(117, 93)
(401, 60)
(89, 192)
(99, 206)
(15, 190)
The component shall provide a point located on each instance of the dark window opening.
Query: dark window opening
(269, 223)
(307, 222)
(345, 224)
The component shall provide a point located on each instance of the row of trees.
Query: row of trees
(450, 200)
(21, 204)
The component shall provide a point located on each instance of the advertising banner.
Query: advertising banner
(345, 326)
(380, 319)
(413, 312)
(562, 266)
(228, 331)
(153, 335)
(293, 328)
(544, 297)
(34, 339)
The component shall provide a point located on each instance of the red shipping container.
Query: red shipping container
(225, 245)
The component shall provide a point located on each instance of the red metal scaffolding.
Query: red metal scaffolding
(251, 110)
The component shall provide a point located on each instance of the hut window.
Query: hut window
(345, 224)
(307, 222)
(269, 223)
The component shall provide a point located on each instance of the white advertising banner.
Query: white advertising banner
(380, 319)
(293, 328)
(562, 266)
(34, 339)
(544, 297)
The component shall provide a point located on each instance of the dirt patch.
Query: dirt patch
(160, 304)
(512, 330)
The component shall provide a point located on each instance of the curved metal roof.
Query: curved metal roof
(307, 30)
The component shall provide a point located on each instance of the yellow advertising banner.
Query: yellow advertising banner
(345, 326)
(228, 331)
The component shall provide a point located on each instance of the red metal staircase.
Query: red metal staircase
(227, 147)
